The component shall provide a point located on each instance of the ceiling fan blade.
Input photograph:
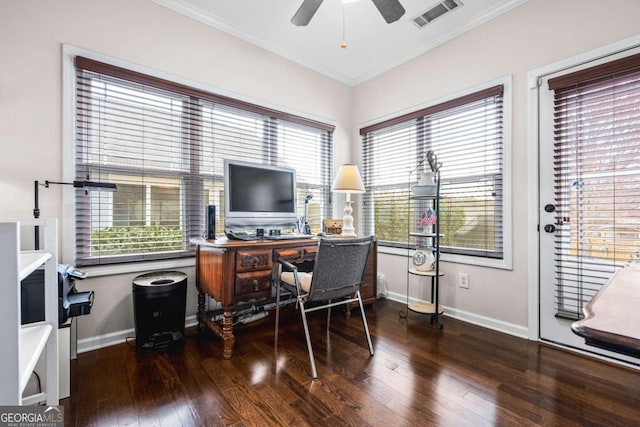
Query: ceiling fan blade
(305, 12)
(391, 10)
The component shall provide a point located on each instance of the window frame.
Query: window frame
(507, 259)
(69, 151)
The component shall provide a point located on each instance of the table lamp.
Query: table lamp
(348, 181)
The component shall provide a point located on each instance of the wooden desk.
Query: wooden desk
(612, 317)
(237, 274)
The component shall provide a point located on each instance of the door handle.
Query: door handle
(549, 228)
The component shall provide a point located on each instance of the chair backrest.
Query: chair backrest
(340, 267)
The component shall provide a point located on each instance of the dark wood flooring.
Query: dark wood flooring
(462, 375)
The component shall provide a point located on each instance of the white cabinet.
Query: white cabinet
(423, 243)
(22, 346)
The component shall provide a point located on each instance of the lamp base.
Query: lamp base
(347, 220)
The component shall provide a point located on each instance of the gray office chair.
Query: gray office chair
(338, 272)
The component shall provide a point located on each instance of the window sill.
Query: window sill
(502, 264)
(137, 267)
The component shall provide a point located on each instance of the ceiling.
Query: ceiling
(373, 46)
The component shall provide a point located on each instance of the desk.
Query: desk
(237, 274)
(612, 317)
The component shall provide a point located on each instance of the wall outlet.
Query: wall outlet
(463, 280)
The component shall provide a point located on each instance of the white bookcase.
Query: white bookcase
(22, 346)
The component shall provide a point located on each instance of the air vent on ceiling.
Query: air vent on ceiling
(435, 12)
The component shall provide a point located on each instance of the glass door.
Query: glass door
(589, 190)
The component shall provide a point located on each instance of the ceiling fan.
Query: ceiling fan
(391, 11)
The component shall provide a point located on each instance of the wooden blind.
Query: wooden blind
(164, 145)
(467, 136)
(597, 178)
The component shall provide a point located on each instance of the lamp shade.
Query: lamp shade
(348, 180)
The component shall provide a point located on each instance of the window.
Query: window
(596, 178)
(467, 135)
(164, 145)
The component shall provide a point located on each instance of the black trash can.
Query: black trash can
(159, 304)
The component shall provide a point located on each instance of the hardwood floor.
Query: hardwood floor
(462, 375)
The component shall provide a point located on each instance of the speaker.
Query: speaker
(210, 222)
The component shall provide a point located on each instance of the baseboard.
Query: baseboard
(118, 337)
(476, 319)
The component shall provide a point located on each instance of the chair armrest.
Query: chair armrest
(286, 266)
(275, 270)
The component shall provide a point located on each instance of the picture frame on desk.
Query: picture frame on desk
(332, 226)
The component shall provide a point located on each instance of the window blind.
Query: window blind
(596, 178)
(164, 145)
(466, 134)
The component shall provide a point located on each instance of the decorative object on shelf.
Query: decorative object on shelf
(85, 185)
(432, 159)
(348, 181)
(428, 220)
(426, 186)
(423, 259)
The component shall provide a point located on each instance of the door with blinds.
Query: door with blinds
(589, 188)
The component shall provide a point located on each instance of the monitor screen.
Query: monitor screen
(259, 195)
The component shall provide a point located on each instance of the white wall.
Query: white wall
(32, 34)
(535, 34)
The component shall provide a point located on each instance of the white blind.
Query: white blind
(596, 178)
(164, 146)
(467, 136)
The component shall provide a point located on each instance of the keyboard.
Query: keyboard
(289, 237)
(239, 236)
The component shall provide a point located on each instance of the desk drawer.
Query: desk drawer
(293, 254)
(253, 259)
(288, 253)
(310, 252)
(254, 283)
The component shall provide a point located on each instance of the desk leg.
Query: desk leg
(224, 331)
(227, 334)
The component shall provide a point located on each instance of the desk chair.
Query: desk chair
(338, 272)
